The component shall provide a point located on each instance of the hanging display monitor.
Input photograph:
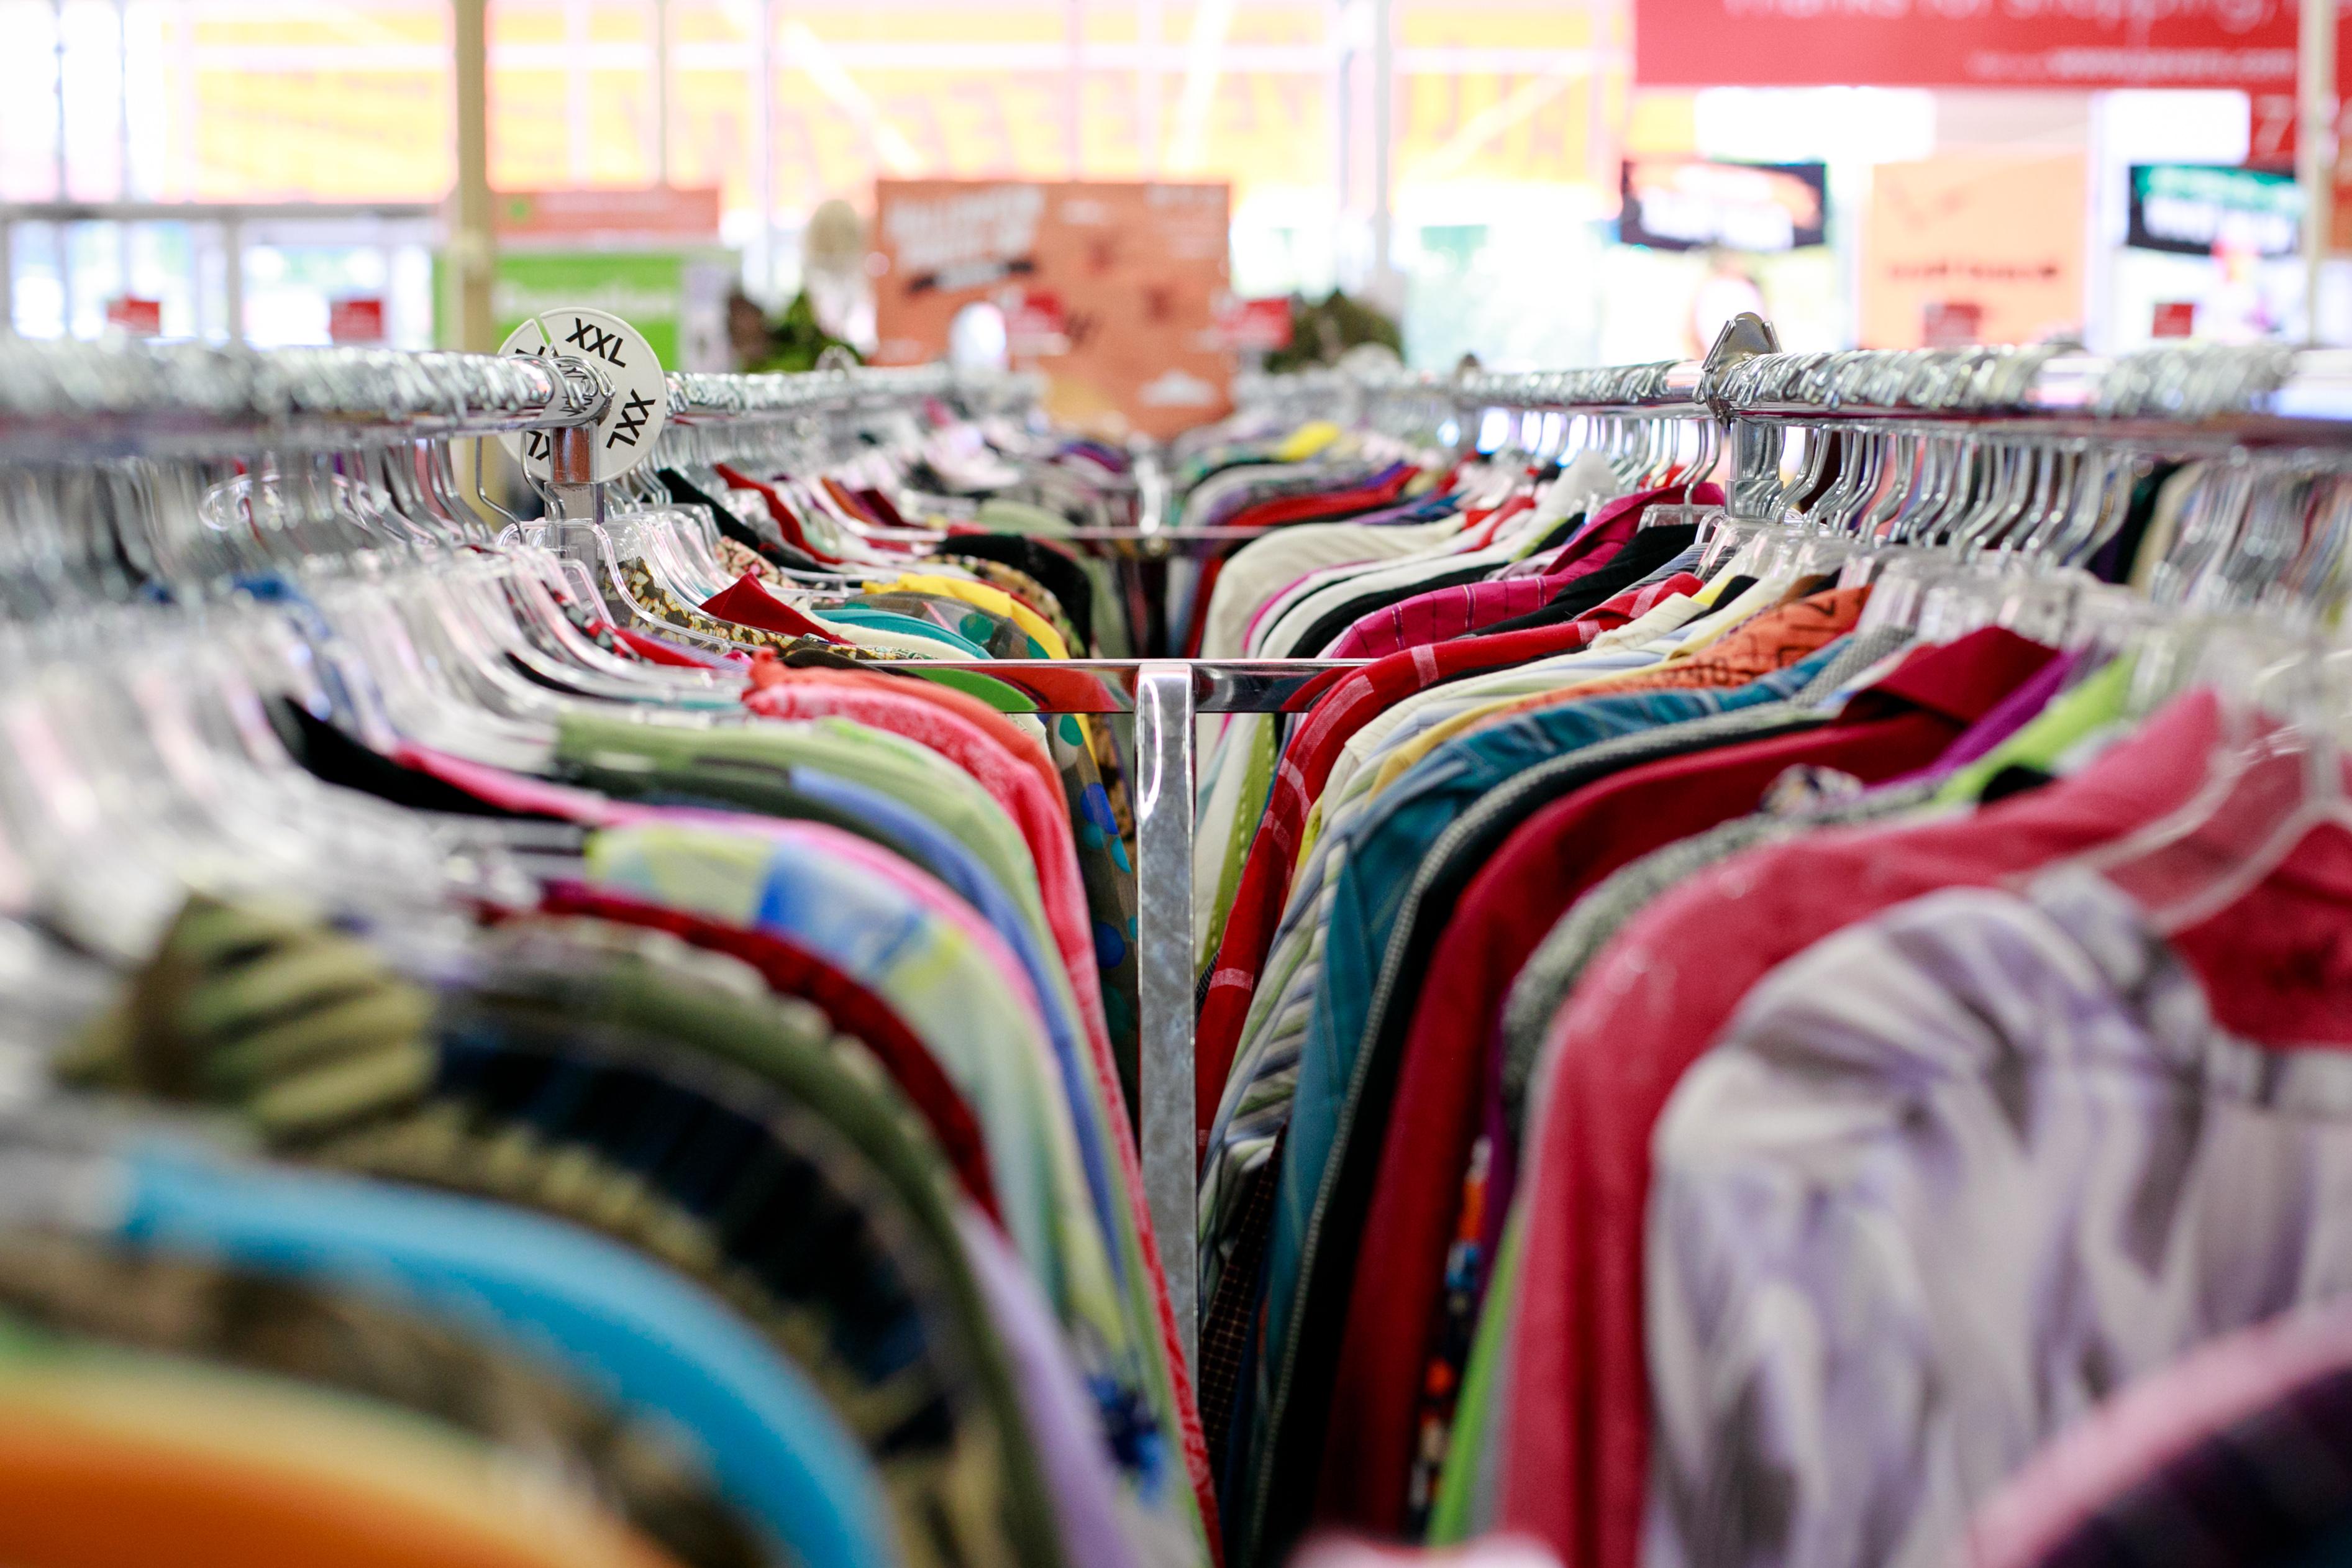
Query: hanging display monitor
(2196, 209)
(1686, 203)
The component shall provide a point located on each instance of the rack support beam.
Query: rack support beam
(1163, 918)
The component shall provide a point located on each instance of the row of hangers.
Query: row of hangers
(1970, 486)
(273, 533)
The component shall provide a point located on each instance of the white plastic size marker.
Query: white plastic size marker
(626, 362)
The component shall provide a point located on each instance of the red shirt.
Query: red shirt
(1383, 492)
(1351, 702)
(1575, 1455)
(1614, 523)
(747, 603)
(1901, 724)
(786, 519)
(1016, 773)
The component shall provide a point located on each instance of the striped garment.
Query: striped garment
(1446, 613)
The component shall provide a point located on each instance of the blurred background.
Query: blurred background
(753, 181)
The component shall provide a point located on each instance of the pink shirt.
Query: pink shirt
(1465, 608)
(2148, 1425)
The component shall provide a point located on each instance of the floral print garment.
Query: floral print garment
(666, 611)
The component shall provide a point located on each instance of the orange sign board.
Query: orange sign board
(1112, 290)
(1993, 241)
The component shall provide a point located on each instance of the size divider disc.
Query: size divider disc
(625, 437)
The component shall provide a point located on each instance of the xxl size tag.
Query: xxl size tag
(626, 435)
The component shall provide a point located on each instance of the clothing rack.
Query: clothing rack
(72, 402)
(1165, 697)
(2181, 401)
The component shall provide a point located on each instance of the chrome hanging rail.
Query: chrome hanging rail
(2261, 395)
(70, 400)
(704, 397)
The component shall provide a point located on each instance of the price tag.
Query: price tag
(625, 437)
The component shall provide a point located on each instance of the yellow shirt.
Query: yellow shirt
(1307, 441)
(996, 601)
(980, 596)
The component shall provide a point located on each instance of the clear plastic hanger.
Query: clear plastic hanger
(2275, 777)
(133, 776)
(2320, 574)
(2212, 513)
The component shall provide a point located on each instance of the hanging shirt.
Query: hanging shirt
(1086, 1508)
(1555, 852)
(1576, 1456)
(869, 913)
(1266, 566)
(1346, 706)
(791, 970)
(1772, 641)
(1657, 551)
(1014, 779)
(874, 916)
(1381, 488)
(1092, 1077)
(111, 1458)
(1669, 604)
(1551, 974)
(2230, 1436)
(995, 601)
(649, 1337)
(1367, 897)
(1346, 1073)
(1952, 1176)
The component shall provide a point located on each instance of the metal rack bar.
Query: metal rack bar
(2262, 394)
(2175, 402)
(1165, 696)
(63, 400)
(715, 398)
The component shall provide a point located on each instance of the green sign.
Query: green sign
(677, 298)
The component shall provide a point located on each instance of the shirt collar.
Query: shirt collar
(1961, 681)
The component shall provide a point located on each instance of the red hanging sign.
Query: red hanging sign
(2271, 129)
(1260, 324)
(355, 321)
(1950, 323)
(140, 318)
(2244, 44)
